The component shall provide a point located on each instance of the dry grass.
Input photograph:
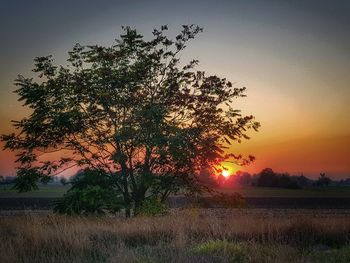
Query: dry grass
(184, 236)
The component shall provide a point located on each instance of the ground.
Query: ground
(329, 192)
(6, 191)
(256, 197)
(185, 235)
(191, 234)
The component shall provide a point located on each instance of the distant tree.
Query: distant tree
(132, 111)
(287, 181)
(63, 181)
(246, 179)
(323, 180)
(303, 181)
(267, 178)
(206, 177)
(243, 178)
(7, 180)
(284, 180)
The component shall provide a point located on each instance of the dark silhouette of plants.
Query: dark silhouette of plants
(92, 192)
(323, 180)
(131, 110)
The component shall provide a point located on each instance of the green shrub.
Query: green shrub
(90, 200)
(222, 248)
(151, 207)
(91, 193)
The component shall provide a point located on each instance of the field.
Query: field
(277, 234)
(321, 198)
(328, 192)
(189, 235)
(50, 191)
(268, 231)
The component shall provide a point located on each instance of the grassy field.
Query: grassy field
(329, 192)
(43, 191)
(192, 235)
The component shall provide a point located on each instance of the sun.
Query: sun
(225, 173)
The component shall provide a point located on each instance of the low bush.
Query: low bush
(152, 207)
(91, 193)
(87, 201)
(222, 248)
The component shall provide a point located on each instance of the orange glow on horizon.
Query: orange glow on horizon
(225, 170)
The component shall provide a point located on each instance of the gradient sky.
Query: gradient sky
(293, 56)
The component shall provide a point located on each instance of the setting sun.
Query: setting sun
(225, 173)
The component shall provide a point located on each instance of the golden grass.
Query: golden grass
(183, 236)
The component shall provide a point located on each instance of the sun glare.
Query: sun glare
(225, 173)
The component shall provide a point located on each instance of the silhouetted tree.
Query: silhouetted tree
(323, 180)
(243, 178)
(303, 181)
(267, 178)
(63, 181)
(130, 110)
(206, 177)
(287, 181)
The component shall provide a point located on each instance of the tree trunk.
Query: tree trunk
(139, 197)
(127, 212)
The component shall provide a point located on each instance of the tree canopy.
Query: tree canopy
(132, 110)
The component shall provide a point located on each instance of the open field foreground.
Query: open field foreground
(191, 235)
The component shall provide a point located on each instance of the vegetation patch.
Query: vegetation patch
(152, 207)
(222, 248)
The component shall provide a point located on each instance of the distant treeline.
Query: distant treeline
(268, 178)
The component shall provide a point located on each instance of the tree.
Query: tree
(323, 180)
(63, 181)
(244, 178)
(132, 110)
(303, 181)
(267, 178)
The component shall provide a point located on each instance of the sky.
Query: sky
(293, 57)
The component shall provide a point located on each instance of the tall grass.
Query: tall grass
(183, 236)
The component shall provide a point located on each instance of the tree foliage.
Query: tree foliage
(268, 178)
(132, 110)
(92, 192)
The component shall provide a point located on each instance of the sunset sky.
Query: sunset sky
(293, 57)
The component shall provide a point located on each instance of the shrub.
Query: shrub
(90, 200)
(151, 207)
(222, 248)
(91, 193)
